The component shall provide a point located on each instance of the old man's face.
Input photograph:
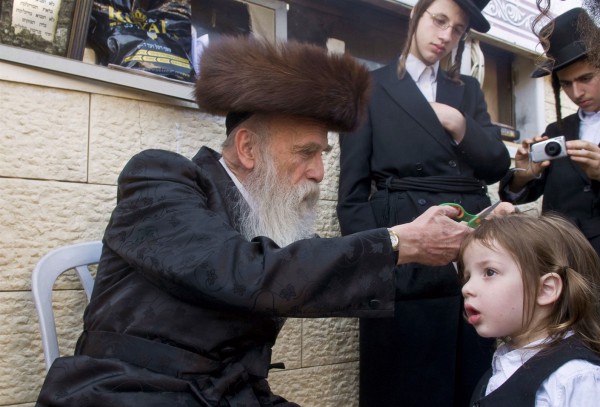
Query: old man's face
(284, 185)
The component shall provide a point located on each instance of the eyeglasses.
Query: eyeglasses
(442, 22)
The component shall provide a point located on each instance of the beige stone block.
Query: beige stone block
(288, 348)
(22, 345)
(22, 365)
(331, 163)
(323, 386)
(327, 221)
(567, 106)
(43, 133)
(39, 216)
(68, 306)
(121, 128)
(327, 341)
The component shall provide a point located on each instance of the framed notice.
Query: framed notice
(43, 25)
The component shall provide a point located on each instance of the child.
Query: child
(532, 282)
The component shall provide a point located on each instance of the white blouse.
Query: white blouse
(574, 384)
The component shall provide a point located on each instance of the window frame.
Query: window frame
(95, 74)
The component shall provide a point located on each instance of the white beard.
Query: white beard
(278, 210)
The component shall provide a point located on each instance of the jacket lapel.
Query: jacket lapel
(405, 93)
(222, 191)
(449, 92)
(572, 133)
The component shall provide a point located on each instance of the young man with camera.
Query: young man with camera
(564, 163)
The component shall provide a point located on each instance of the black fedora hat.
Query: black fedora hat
(473, 8)
(566, 44)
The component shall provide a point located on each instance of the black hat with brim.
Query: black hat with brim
(473, 8)
(566, 42)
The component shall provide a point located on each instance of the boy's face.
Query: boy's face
(581, 82)
(431, 43)
(493, 292)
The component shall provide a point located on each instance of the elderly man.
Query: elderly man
(570, 184)
(203, 259)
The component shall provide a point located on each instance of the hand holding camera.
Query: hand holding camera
(525, 168)
(586, 155)
(535, 154)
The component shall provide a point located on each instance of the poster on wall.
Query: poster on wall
(36, 16)
(43, 25)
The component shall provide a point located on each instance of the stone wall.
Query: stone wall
(567, 107)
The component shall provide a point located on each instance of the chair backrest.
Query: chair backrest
(77, 256)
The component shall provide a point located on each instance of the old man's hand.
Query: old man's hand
(434, 237)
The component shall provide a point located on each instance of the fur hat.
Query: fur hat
(243, 75)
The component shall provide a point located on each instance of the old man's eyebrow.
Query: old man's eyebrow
(312, 148)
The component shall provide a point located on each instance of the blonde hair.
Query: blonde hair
(550, 244)
(418, 11)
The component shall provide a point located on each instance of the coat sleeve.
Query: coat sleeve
(482, 145)
(532, 191)
(168, 227)
(353, 208)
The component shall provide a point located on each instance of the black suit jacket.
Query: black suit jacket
(402, 137)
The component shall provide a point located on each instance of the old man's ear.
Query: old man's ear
(246, 147)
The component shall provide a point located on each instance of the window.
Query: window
(498, 84)
(373, 34)
(265, 18)
(209, 17)
(48, 26)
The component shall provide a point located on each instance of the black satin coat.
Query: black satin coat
(176, 272)
(565, 186)
(425, 355)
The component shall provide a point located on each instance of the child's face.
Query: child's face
(493, 292)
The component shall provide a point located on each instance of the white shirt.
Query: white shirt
(574, 384)
(235, 180)
(426, 79)
(589, 128)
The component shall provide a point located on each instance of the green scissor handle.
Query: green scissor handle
(472, 221)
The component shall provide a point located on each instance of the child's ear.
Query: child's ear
(551, 286)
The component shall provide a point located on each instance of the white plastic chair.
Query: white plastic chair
(77, 256)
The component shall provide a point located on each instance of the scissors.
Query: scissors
(472, 221)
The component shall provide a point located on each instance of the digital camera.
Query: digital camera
(550, 149)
